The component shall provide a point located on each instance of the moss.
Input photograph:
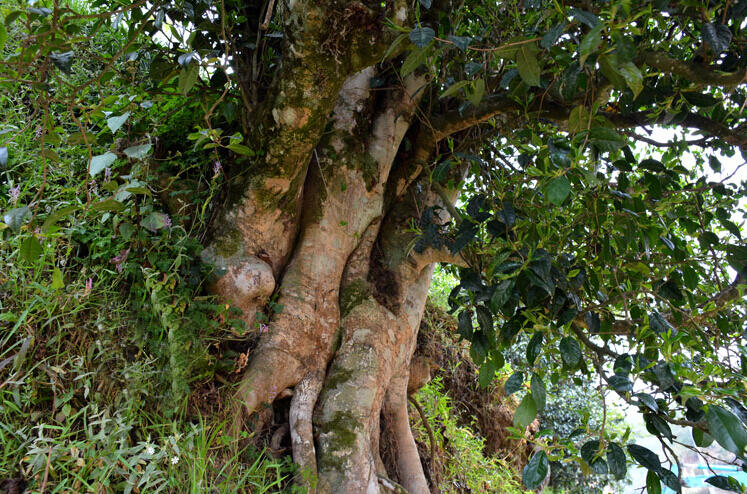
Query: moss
(341, 427)
(352, 295)
(228, 244)
(337, 375)
(370, 170)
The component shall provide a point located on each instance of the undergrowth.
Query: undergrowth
(468, 469)
(107, 338)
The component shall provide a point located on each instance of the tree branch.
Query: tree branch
(692, 120)
(625, 326)
(692, 71)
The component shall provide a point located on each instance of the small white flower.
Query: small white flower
(150, 450)
(174, 460)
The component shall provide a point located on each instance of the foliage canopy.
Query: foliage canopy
(618, 255)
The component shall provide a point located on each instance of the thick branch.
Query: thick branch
(624, 326)
(693, 120)
(692, 71)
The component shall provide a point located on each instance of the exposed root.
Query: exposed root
(411, 472)
(389, 486)
(301, 429)
(434, 473)
(271, 371)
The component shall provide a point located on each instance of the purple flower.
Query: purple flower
(15, 194)
(217, 168)
(89, 287)
(94, 187)
(107, 174)
(166, 221)
(119, 260)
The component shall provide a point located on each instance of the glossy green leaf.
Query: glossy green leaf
(525, 413)
(570, 351)
(534, 347)
(536, 470)
(616, 461)
(645, 457)
(514, 383)
(653, 485)
(539, 392)
(726, 429)
(422, 36)
(557, 190)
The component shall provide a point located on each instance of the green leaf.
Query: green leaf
(59, 214)
(487, 373)
(422, 36)
(57, 281)
(393, 47)
(414, 60)
(552, 35)
(17, 217)
(114, 123)
(616, 460)
(62, 61)
(718, 37)
(138, 152)
(702, 439)
(465, 325)
(461, 42)
(528, 64)
(606, 140)
(726, 429)
(645, 457)
(633, 77)
(653, 486)
(502, 293)
(476, 92)
(578, 119)
(731, 227)
(699, 99)
(31, 249)
(451, 90)
(725, 483)
(539, 392)
(557, 190)
(188, 78)
(536, 470)
(585, 17)
(241, 149)
(514, 383)
(570, 351)
(154, 221)
(670, 480)
(525, 413)
(534, 347)
(100, 162)
(108, 204)
(590, 43)
(648, 401)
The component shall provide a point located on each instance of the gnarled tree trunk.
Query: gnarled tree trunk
(323, 219)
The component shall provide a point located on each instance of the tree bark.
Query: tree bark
(317, 222)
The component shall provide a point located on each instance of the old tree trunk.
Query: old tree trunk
(323, 220)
